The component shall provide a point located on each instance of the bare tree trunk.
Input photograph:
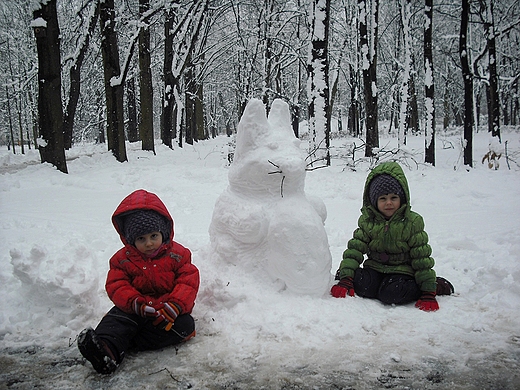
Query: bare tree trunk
(429, 122)
(113, 86)
(145, 80)
(190, 96)
(268, 53)
(413, 112)
(199, 111)
(353, 110)
(50, 110)
(468, 85)
(11, 131)
(168, 100)
(20, 126)
(101, 139)
(133, 133)
(405, 82)
(75, 78)
(493, 102)
(318, 92)
(369, 14)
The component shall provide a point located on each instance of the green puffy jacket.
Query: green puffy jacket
(399, 245)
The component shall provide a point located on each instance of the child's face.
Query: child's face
(149, 243)
(388, 204)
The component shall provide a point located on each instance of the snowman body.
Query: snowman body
(264, 220)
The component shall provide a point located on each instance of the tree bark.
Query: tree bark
(318, 92)
(50, 109)
(133, 133)
(369, 14)
(168, 100)
(11, 130)
(429, 122)
(404, 110)
(468, 85)
(145, 80)
(493, 102)
(113, 86)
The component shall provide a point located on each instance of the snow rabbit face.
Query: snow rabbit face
(268, 159)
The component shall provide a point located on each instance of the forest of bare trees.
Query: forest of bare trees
(117, 71)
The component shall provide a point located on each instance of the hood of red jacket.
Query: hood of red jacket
(139, 200)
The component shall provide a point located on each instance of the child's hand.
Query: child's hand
(344, 287)
(427, 302)
(167, 315)
(142, 309)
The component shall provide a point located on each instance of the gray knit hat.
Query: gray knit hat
(143, 222)
(384, 184)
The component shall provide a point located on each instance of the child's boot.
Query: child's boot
(444, 287)
(97, 352)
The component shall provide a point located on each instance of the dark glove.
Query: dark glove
(344, 287)
(167, 315)
(427, 301)
(142, 309)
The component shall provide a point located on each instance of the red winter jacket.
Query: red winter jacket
(168, 277)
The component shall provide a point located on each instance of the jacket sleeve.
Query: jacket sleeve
(420, 256)
(354, 255)
(118, 284)
(186, 283)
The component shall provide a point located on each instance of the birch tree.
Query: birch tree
(318, 82)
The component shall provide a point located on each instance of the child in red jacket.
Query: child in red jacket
(151, 282)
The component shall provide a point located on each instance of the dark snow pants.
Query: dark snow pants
(123, 331)
(388, 288)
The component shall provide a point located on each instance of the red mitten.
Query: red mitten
(344, 287)
(142, 309)
(167, 315)
(427, 301)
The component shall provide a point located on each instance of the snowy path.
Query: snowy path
(43, 368)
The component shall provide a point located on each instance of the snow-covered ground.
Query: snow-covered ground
(57, 238)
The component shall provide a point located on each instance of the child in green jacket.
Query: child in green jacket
(399, 266)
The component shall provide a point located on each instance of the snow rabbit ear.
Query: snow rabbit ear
(252, 128)
(280, 118)
(255, 130)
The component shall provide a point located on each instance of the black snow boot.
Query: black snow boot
(444, 287)
(96, 352)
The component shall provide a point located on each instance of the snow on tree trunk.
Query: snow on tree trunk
(468, 85)
(429, 103)
(318, 82)
(493, 103)
(47, 32)
(168, 95)
(368, 30)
